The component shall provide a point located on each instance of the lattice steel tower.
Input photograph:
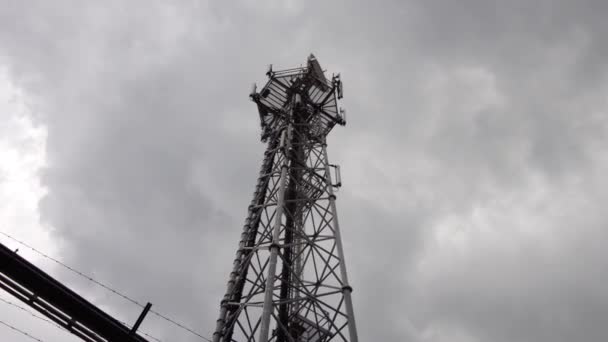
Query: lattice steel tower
(289, 280)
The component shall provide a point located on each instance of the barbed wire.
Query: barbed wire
(108, 288)
(74, 270)
(29, 312)
(61, 327)
(20, 331)
(144, 333)
(180, 325)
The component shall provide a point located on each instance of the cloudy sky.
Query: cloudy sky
(473, 161)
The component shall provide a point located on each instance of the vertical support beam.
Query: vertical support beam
(293, 216)
(274, 246)
(141, 318)
(346, 289)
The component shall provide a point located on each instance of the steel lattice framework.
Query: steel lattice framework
(289, 280)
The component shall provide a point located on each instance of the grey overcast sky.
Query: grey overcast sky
(474, 160)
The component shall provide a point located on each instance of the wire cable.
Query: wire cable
(20, 331)
(59, 326)
(74, 270)
(31, 313)
(180, 325)
(89, 278)
(144, 333)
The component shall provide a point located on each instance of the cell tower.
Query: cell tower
(289, 281)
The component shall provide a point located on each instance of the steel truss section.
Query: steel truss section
(289, 280)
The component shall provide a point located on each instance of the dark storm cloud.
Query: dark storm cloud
(472, 159)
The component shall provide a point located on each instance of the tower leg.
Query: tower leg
(237, 279)
(346, 289)
(274, 247)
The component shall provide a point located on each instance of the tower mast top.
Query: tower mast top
(306, 87)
